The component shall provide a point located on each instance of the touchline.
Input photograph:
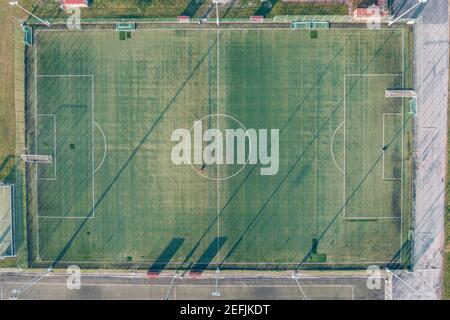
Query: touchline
(242, 146)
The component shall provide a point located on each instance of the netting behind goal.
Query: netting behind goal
(36, 158)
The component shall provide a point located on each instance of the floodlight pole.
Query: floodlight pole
(16, 293)
(216, 292)
(419, 2)
(16, 3)
(217, 12)
(416, 292)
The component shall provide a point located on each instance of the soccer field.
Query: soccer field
(104, 106)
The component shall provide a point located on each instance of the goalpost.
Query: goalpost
(310, 25)
(36, 158)
(126, 26)
(27, 35)
(404, 93)
(300, 25)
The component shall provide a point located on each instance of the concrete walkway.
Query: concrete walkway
(431, 85)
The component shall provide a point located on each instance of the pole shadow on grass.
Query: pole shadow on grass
(350, 197)
(265, 7)
(147, 134)
(5, 161)
(7, 167)
(192, 7)
(207, 256)
(165, 256)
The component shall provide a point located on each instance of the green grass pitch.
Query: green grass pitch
(105, 106)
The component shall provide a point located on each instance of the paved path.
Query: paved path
(431, 84)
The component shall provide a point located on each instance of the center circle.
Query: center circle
(217, 116)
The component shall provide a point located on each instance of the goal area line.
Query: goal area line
(40, 216)
(367, 218)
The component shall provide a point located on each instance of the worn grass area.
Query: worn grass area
(105, 110)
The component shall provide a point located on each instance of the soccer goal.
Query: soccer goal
(320, 25)
(36, 158)
(404, 93)
(27, 35)
(310, 25)
(399, 93)
(126, 26)
(413, 107)
(300, 25)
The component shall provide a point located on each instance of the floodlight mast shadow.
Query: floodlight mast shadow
(16, 3)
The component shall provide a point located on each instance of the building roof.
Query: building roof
(74, 3)
(367, 12)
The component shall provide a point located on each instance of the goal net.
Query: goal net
(320, 25)
(413, 107)
(27, 35)
(310, 25)
(36, 158)
(300, 25)
(126, 26)
(399, 93)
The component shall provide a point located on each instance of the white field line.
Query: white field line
(214, 29)
(106, 146)
(331, 148)
(54, 144)
(91, 216)
(63, 75)
(35, 133)
(218, 125)
(402, 164)
(93, 146)
(344, 196)
(92, 274)
(345, 148)
(181, 29)
(362, 263)
(347, 286)
(163, 286)
(384, 153)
